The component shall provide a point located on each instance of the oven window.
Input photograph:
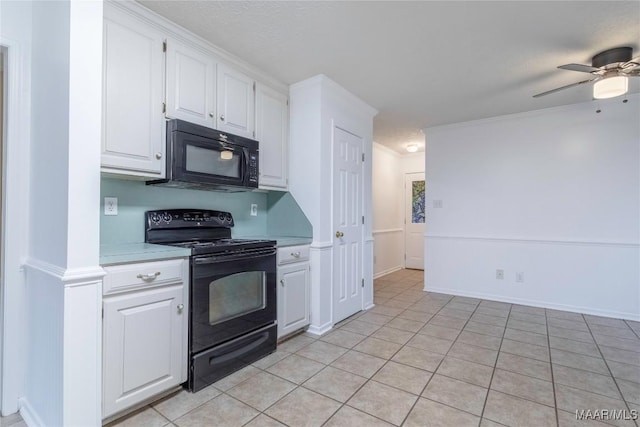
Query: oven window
(212, 162)
(236, 295)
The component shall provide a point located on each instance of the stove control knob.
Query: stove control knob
(155, 218)
(221, 217)
(166, 217)
(227, 217)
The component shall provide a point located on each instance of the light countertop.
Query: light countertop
(135, 252)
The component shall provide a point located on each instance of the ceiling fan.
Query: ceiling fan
(610, 71)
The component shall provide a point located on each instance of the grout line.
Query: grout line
(615, 381)
(553, 382)
(486, 398)
(636, 333)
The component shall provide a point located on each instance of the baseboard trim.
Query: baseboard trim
(536, 303)
(369, 307)
(320, 330)
(28, 414)
(387, 271)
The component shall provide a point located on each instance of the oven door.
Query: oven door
(231, 295)
(207, 161)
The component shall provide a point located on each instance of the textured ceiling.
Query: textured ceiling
(421, 63)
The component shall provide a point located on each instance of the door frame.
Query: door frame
(15, 217)
(344, 127)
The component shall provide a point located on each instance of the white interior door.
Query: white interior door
(347, 222)
(414, 217)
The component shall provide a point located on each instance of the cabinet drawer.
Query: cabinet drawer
(291, 254)
(125, 277)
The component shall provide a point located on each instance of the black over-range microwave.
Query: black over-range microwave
(204, 158)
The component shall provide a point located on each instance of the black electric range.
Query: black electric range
(232, 291)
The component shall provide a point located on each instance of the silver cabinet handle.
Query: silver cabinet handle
(295, 254)
(180, 308)
(148, 277)
(158, 156)
(339, 234)
(222, 117)
(282, 282)
(211, 115)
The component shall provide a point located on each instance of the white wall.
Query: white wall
(554, 194)
(411, 163)
(388, 211)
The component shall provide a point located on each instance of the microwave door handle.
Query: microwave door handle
(243, 164)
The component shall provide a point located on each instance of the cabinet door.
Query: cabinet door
(191, 84)
(143, 351)
(236, 102)
(272, 131)
(132, 121)
(293, 297)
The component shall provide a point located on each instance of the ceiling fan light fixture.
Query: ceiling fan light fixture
(412, 148)
(610, 87)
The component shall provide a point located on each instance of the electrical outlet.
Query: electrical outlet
(500, 274)
(254, 209)
(111, 206)
(520, 277)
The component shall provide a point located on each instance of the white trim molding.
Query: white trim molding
(387, 271)
(387, 230)
(69, 277)
(526, 240)
(30, 417)
(321, 245)
(320, 330)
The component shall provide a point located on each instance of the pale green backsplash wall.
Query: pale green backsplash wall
(135, 198)
(285, 216)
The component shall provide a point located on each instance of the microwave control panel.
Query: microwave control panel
(253, 167)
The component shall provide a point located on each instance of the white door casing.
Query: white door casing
(347, 224)
(414, 220)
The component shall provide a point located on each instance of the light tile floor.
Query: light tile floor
(425, 359)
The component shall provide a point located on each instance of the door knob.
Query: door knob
(211, 115)
(180, 308)
(158, 155)
(282, 282)
(339, 234)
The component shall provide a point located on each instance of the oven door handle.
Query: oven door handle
(232, 257)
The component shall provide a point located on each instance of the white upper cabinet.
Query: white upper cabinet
(191, 84)
(236, 102)
(272, 132)
(133, 77)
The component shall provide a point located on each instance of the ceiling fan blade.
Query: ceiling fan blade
(579, 67)
(565, 87)
(635, 62)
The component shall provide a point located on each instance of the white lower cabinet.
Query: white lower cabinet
(293, 289)
(144, 338)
